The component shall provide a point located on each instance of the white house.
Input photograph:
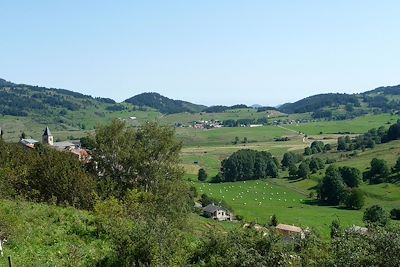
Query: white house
(217, 212)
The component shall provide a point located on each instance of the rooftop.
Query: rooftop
(289, 228)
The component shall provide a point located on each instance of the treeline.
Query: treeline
(246, 122)
(23, 100)
(369, 139)
(317, 147)
(220, 108)
(247, 164)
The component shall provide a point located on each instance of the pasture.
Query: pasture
(258, 200)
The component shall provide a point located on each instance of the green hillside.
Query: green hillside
(163, 104)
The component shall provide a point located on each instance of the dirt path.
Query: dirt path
(305, 140)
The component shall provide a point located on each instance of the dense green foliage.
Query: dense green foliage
(163, 104)
(202, 175)
(220, 108)
(244, 122)
(44, 174)
(317, 102)
(22, 100)
(316, 147)
(290, 158)
(339, 186)
(376, 215)
(247, 164)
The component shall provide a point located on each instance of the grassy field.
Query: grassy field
(357, 125)
(258, 200)
(225, 136)
(45, 235)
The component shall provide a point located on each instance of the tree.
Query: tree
(354, 199)
(395, 214)
(245, 140)
(317, 146)
(307, 151)
(341, 144)
(379, 171)
(236, 140)
(304, 170)
(332, 186)
(351, 176)
(396, 167)
(274, 220)
(327, 147)
(376, 215)
(290, 158)
(23, 135)
(202, 175)
(248, 164)
(62, 177)
(335, 228)
(293, 170)
(316, 164)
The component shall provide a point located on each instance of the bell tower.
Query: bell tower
(47, 137)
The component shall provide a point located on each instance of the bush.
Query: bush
(395, 214)
(376, 215)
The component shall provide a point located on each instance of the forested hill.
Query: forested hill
(313, 103)
(163, 104)
(383, 99)
(24, 100)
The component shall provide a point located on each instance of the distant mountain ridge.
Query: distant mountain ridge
(24, 100)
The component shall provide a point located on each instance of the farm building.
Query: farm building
(287, 230)
(217, 212)
(29, 142)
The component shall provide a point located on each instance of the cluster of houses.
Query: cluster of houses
(206, 124)
(288, 231)
(221, 214)
(73, 147)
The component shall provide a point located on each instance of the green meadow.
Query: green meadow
(289, 200)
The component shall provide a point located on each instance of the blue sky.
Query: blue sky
(209, 51)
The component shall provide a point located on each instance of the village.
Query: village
(73, 147)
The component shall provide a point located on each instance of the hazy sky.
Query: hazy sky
(209, 52)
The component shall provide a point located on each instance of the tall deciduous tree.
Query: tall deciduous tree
(332, 186)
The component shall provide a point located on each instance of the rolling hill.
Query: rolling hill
(163, 104)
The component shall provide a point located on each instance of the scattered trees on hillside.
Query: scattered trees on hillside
(370, 138)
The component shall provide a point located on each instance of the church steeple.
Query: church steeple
(47, 137)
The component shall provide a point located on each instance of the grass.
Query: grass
(259, 200)
(357, 125)
(225, 136)
(44, 235)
